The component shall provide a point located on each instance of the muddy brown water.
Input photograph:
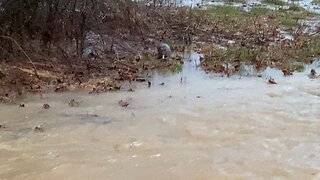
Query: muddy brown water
(207, 127)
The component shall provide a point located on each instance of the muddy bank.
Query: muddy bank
(229, 38)
(93, 75)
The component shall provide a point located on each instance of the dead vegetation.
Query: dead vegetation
(85, 44)
(98, 45)
(259, 38)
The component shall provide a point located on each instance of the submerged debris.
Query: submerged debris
(73, 103)
(123, 103)
(46, 106)
(2, 126)
(38, 128)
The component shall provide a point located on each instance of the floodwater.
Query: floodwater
(205, 127)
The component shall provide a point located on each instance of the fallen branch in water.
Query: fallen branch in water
(31, 62)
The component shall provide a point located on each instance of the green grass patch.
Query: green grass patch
(274, 2)
(289, 18)
(317, 2)
(295, 8)
(312, 49)
(176, 67)
(257, 11)
(288, 22)
(237, 53)
(234, 1)
(297, 66)
(226, 11)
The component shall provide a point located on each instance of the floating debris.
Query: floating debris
(149, 84)
(22, 105)
(73, 103)
(272, 81)
(161, 84)
(38, 128)
(123, 103)
(155, 156)
(46, 106)
(313, 74)
(141, 80)
(2, 126)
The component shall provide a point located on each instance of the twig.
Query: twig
(31, 62)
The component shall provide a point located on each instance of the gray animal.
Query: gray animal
(164, 51)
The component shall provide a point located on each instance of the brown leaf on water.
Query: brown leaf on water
(46, 106)
(123, 103)
(272, 81)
